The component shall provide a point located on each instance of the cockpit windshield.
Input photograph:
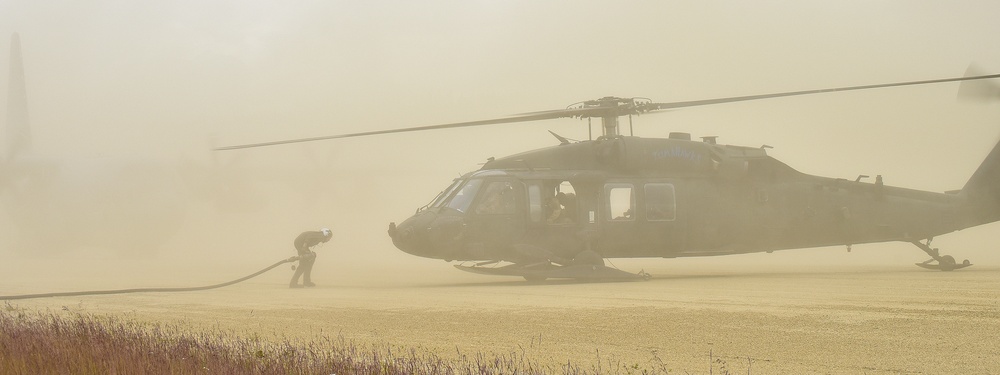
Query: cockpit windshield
(461, 200)
(439, 200)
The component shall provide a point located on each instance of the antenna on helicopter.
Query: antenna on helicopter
(562, 140)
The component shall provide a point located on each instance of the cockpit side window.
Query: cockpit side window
(498, 199)
(464, 196)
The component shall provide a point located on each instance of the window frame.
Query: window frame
(648, 202)
(609, 209)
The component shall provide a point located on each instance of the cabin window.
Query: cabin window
(660, 202)
(498, 199)
(535, 203)
(463, 198)
(620, 204)
(566, 187)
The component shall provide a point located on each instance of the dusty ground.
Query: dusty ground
(812, 318)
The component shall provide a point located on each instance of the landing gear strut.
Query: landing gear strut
(944, 262)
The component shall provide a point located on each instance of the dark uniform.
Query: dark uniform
(307, 257)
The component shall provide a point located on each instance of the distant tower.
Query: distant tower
(17, 132)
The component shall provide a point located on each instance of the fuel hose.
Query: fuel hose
(146, 290)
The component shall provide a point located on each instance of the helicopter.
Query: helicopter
(559, 212)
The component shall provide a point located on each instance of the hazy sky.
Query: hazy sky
(158, 79)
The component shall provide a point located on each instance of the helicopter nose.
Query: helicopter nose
(428, 235)
(411, 235)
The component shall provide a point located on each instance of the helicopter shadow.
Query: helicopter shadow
(525, 284)
(662, 278)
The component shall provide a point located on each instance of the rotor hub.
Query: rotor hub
(609, 108)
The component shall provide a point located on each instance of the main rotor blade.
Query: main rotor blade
(535, 116)
(693, 103)
(604, 111)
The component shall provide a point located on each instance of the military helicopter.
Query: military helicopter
(558, 212)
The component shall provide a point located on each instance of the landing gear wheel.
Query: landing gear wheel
(947, 263)
(588, 257)
(944, 262)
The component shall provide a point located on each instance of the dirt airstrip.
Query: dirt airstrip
(772, 319)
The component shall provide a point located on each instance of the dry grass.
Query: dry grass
(51, 343)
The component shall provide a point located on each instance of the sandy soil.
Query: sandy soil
(773, 319)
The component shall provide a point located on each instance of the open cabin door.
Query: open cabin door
(559, 216)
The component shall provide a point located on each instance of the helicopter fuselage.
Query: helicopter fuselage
(627, 197)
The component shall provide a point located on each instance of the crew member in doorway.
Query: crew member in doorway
(568, 201)
(303, 244)
(555, 210)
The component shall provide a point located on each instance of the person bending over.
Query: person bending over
(304, 244)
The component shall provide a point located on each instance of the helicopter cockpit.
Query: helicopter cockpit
(482, 214)
(437, 228)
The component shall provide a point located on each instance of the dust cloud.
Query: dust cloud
(127, 100)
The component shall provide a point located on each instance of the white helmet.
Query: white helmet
(326, 232)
